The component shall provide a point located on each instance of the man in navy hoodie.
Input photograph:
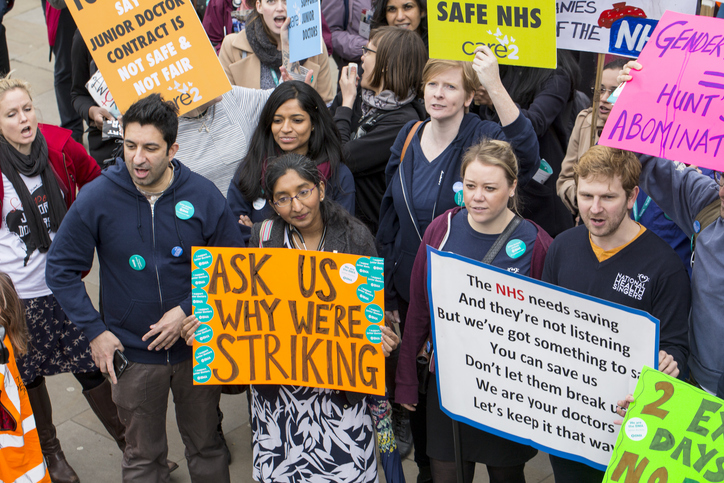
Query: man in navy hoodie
(143, 217)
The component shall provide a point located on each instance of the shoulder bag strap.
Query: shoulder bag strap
(265, 232)
(410, 135)
(502, 239)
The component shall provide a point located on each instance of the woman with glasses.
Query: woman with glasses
(294, 119)
(303, 433)
(370, 117)
(580, 140)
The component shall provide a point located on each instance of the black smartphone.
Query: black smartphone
(120, 362)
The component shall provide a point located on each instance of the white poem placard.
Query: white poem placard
(532, 362)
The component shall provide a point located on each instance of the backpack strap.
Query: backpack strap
(410, 135)
(708, 215)
(265, 232)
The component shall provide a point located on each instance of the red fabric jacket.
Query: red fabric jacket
(71, 164)
(417, 323)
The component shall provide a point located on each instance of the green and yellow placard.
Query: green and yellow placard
(673, 432)
(519, 32)
(280, 316)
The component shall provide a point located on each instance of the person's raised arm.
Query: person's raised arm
(486, 65)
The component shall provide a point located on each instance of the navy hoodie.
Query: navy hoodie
(400, 232)
(114, 218)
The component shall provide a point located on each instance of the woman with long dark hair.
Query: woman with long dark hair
(294, 119)
(407, 14)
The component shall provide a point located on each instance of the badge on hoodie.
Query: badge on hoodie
(184, 210)
(137, 262)
(458, 190)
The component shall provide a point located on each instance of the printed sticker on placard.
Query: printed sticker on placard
(198, 296)
(203, 334)
(199, 278)
(363, 267)
(202, 373)
(636, 429)
(204, 355)
(377, 265)
(365, 293)
(374, 334)
(377, 282)
(204, 312)
(202, 258)
(374, 313)
(348, 273)
(184, 210)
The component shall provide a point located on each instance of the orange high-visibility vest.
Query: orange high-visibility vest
(20, 455)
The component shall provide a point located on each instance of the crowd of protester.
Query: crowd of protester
(398, 153)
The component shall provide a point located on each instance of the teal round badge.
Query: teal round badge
(459, 199)
(376, 281)
(374, 313)
(203, 258)
(137, 262)
(203, 334)
(515, 248)
(204, 355)
(377, 265)
(184, 210)
(204, 312)
(202, 373)
(363, 266)
(365, 293)
(199, 278)
(198, 296)
(374, 334)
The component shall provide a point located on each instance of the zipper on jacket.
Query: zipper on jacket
(407, 204)
(434, 207)
(155, 265)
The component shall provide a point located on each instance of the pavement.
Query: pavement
(87, 446)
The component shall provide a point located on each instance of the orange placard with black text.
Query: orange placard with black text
(145, 46)
(293, 317)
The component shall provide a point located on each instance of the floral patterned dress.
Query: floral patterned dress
(304, 434)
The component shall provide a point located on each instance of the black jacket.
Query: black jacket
(367, 150)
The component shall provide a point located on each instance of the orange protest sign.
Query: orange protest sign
(295, 317)
(145, 46)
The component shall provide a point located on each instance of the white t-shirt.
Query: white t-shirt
(25, 264)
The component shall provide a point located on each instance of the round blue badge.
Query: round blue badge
(137, 262)
(697, 226)
(177, 251)
(457, 187)
(184, 210)
(515, 248)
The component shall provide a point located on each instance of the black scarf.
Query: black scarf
(12, 164)
(261, 44)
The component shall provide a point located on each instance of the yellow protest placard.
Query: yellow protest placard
(519, 32)
(294, 317)
(145, 46)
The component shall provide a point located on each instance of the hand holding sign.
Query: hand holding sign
(486, 65)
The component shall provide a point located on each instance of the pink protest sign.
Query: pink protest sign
(674, 107)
